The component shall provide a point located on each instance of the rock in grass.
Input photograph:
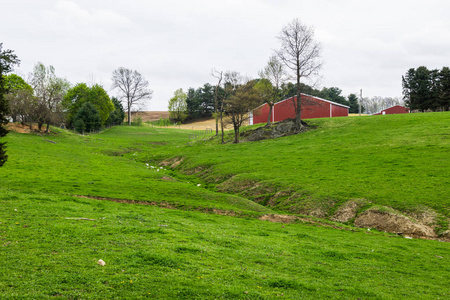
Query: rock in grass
(101, 262)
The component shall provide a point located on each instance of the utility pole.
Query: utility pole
(360, 99)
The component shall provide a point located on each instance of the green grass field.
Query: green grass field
(50, 240)
(401, 161)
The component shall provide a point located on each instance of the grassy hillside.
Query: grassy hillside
(104, 165)
(50, 240)
(50, 245)
(400, 161)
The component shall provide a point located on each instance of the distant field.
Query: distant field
(51, 238)
(150, 116)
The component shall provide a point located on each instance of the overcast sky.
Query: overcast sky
(175, 44)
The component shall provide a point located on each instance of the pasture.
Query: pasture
(201, 237)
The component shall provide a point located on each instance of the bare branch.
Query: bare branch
(134, 89)
(300, 53)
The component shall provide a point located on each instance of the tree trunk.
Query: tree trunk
(129, 114)
(48, 126)
(270, 114)
(298, 109)
(236, 134)
(217, 124)
(221, 124)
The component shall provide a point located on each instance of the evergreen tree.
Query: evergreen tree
(424, 89)
(444, 87)
(334, 94)
(353, 103)
(7, 60)
(87, 119)
(200, 102)
(117, 116)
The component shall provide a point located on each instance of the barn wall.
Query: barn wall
(394, 110)
(339, 111)
(311, 108)
(261, 114)
(314, 108)
(284, 110)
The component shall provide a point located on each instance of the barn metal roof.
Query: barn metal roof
(334, 103)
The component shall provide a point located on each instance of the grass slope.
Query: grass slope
(400, 161)
(104, 165)
(47, 251)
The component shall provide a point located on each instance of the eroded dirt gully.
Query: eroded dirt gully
(353, 215)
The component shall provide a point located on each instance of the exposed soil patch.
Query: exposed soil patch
(172, 163)
(17, 127)
(167, 178)
(348, 210)
(425, 216)
(279, 218)
(390, 221)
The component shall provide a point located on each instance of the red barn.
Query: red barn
(397, 109)
(312, 107)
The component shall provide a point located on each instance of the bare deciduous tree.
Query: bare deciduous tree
(275, 72)
(300, 53)
(133, 87)
(219, 76)
(376, 104)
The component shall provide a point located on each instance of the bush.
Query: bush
(162, 122)
(80, 126)
(117, 116)
(137, 121)
(88, 116)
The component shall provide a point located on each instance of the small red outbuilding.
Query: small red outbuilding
(312, 107)
(397, 109)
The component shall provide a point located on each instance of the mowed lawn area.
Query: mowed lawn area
(51, 240)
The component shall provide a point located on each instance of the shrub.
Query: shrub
(89, 116)
(137, 121)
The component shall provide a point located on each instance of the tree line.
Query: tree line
(46, 99)
(198, 103)
(425, 89)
